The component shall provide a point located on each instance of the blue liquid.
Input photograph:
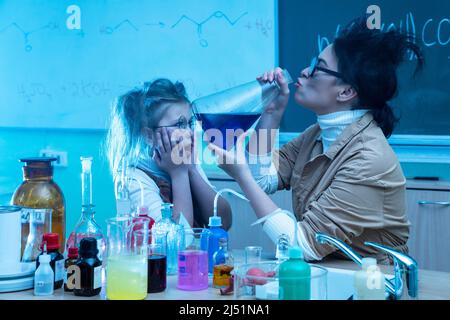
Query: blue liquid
(226, 122)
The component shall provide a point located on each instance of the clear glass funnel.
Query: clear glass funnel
(225, 115)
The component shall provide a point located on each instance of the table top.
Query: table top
(433, 285)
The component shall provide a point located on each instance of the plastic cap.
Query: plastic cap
(73, 252)
(166, 210)
(44, 258)
(142, 211)
(88, 247)
(367, 262)
(52, 240)
(215, 221)
(295, 253)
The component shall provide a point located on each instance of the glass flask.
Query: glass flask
(39, 191)
(86, 227)
(175, 236)
(227, 114)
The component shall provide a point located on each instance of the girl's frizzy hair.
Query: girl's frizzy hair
(368, 60)
(135, 110)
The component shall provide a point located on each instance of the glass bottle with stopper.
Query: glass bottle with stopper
(227, 114)
(175, 236)
(87, 226)
(38, 194)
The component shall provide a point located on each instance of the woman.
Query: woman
(346, 180)
(151, 130)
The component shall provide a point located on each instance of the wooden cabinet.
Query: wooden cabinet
(429, 215)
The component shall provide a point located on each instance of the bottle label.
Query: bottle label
(97, 277)
(222, 275)
(37, 216)
(59, 270)
(100, 249)
(25, 215)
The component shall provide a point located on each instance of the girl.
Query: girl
(152, 130)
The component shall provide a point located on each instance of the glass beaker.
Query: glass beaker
(193, 260)
(40, 221)
(225, 115)
(157, 261)
(126, 266)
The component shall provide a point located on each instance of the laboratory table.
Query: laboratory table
(433, 285)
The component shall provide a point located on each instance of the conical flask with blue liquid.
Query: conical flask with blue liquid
(227, 114)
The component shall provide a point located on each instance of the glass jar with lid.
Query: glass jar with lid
(38, 191)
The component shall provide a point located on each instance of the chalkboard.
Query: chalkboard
(423, 103)
(54, 75)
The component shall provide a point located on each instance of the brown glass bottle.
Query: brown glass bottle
(39, 191)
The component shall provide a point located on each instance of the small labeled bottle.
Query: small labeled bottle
(295, 277)
(43, 277)
(223, 265)
(87, 278)
(369, 282)
(70, 261)
(56, 258)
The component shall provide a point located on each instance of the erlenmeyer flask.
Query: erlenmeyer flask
(225, 115)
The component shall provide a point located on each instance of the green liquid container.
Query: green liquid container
(295, 277)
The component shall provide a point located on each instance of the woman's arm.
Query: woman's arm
(259, 200)
(203, 196)
(277, 222)
(235, 164)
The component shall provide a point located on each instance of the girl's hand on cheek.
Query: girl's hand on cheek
(170, 159)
